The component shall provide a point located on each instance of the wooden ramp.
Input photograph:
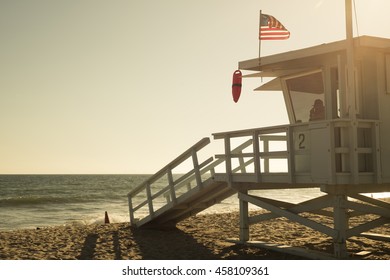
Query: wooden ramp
(167, 198)
(191, 203)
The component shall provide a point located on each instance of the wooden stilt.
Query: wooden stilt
(244, 220)
(341, 226)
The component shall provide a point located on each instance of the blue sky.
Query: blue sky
(125, 86)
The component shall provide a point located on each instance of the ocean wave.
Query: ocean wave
(41, 200)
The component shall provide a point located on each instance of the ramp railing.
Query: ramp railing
(163, 189)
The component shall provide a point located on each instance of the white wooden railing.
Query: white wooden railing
(162, 189)
(154, 193)
(323, 152)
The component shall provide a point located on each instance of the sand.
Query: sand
(198, 237)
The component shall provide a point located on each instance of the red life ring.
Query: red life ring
(237, 84)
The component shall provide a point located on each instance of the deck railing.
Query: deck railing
(323, 152)
(252, 157)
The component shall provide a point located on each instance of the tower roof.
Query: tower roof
(287, 63)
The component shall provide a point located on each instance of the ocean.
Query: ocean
(31, 201)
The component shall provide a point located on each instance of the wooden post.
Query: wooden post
(244, 219)
(353, 150)
(256, 156)
(266, 159)
(171, 186)
(376, 152)
(332, 154)
(340, 217)
(196, 168)
(350, 61)
(150, 201)
(131, 210)
(291, 155)
(228, 160)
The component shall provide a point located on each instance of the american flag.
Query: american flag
(272, 29)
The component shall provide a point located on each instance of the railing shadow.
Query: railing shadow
(88, 250)
(117, 247)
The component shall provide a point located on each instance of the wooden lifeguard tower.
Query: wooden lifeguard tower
(337, 97)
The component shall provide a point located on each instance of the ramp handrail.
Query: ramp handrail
(198, 146)
(176, 187)
(167, 173)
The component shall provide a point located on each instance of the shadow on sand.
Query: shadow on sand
(88, 250)
(173, 243)
(169, 244)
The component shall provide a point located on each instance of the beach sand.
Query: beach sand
(198, 237)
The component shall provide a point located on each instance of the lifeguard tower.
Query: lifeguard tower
(337, 96)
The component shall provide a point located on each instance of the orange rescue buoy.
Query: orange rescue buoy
(237, 84)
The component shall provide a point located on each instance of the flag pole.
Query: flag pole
(260, 37)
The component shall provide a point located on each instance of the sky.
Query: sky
(123, 87)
